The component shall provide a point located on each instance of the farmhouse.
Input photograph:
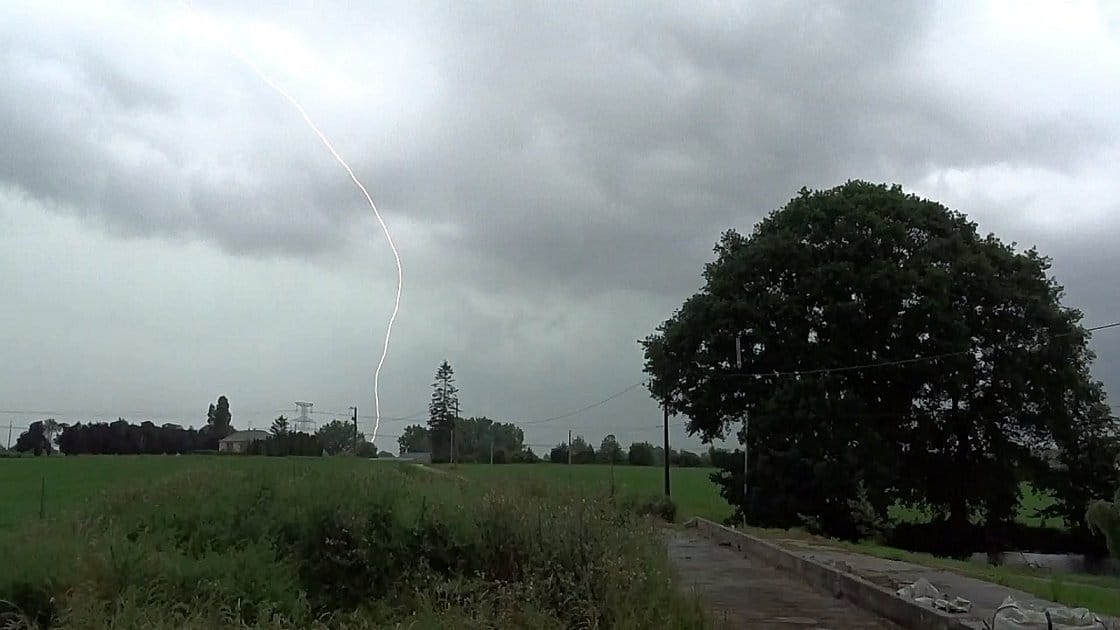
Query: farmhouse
(239, 441)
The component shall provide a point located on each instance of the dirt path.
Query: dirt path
(742, 593)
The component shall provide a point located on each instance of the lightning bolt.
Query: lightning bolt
(365, 193)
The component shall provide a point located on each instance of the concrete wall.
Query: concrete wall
(870, 597)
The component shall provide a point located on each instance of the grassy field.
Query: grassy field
(64, 483)
(691, 489)
(326, 543)
(70, 482)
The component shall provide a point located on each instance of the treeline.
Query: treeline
(639, 454)
(484, 440)
(123, 438)
(449, 437)
(475, 440)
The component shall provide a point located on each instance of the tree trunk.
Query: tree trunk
(958, 505)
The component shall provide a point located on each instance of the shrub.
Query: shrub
(653, 505)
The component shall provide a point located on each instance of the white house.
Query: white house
(239, 441)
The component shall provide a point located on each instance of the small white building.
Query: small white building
(239, 441)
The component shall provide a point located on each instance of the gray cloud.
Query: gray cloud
(548, 170)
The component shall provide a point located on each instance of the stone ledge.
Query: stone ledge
(862, 593)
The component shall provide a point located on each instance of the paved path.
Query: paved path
(740, 592)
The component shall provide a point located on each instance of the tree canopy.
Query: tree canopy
(974, 367)
(279, 427)
(338, 437)
(414, 439)
(34, 440)
(219, 420)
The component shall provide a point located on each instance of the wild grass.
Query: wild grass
(692, 489)
(318, 543)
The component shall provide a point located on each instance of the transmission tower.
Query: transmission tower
(304, 422)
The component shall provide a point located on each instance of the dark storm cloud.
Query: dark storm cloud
(568, 144)
(543, 155)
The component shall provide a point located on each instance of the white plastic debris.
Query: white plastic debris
(921, 592)
(926, 594)
(1013, 615)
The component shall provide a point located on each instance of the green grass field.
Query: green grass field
(65, 483)
(691, 488)
(71, 481)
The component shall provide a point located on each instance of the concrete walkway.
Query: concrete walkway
(741, 592)
(891, 574)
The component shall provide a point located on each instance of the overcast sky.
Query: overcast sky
(554, 175)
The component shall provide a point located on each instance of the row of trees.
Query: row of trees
(482, 439)
(970, 376)
(334, 438)
(639, 454)
(122, 438)
(450, 437)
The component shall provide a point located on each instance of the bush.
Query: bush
(660, 506)
(335, 543)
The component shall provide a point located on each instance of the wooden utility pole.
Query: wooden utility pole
(355, 417)
(9, 435)
(569, 447)
(453, 418)
(665, 405)
(746, 429)
(491, 450)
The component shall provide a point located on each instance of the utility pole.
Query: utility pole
(9, 435)
(453, 418)
(666, 407)
(569, 447)
(355, 417)
(746, 429)
(491, 450)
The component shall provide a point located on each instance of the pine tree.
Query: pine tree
(442, 411)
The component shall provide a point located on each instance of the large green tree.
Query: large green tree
(337, 437)
(414, 439)
(867, 274)
(443, 411)
(34, 440)
(476, 438)
(219, 419)
(280, 427)
(641, 454)
(610, 452)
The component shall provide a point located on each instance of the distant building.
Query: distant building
(419, 458)
(239, 441)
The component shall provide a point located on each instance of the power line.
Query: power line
(865, 366)
(581, 409)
